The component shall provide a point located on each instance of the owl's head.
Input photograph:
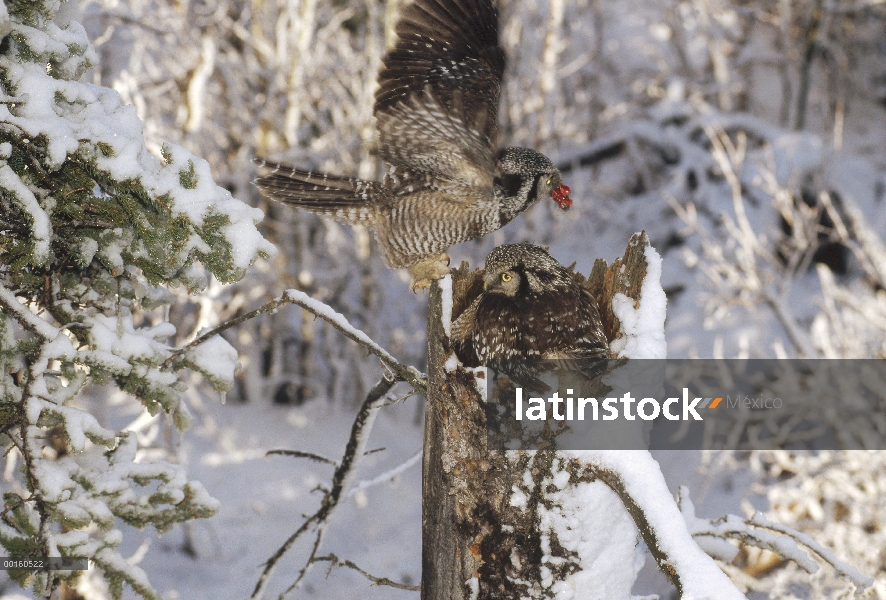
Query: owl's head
(530, 176)
(523, 269)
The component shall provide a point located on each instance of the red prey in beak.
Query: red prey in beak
(560, 194)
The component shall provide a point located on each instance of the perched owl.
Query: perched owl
(436, 113)
(531, 307)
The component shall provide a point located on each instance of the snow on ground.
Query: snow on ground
(263, 499)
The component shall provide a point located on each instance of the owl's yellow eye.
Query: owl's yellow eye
(506, 277)
(548, 182)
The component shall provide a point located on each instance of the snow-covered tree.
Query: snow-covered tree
(93, 230)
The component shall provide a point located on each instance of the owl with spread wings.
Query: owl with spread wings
(436, 111)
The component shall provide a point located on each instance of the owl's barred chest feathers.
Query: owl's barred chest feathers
(427, 222)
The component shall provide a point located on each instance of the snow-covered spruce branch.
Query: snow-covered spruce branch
(341, 480)
(753, 533)
(27, 444)
(94, 227)
(25, 317)
(409, 374)
(60, 489)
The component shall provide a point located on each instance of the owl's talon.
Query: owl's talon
(427, 270)
(420, 284)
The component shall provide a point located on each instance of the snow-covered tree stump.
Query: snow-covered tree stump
(477, 538)
(547, 523)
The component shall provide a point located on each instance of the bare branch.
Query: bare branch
(399, 399)
(300, 454)
(343, 474)
(318, 539)
(335, 561)
(594, 153)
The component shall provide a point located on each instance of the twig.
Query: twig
(138, 23)
(335, 561)
(300, 454)
(343, 474)
(861, 581)
(318, 539)
(783, 44)
(387, 475)
(402, 398)
(409, 374)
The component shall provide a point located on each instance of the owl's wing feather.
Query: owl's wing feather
(462, 328)
(462, 332)
(437, 102)
(593, 342)
(424, 138)
(347, 199)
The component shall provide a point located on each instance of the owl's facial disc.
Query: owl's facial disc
(505, 283)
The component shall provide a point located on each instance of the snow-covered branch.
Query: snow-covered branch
(637, 480)
(409, 374)
(94, 227)
(756, 532)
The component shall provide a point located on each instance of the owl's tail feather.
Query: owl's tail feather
(346, 199)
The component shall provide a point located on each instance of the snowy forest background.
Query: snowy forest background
(745, 137)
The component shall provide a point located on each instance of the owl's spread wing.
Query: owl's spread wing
(437, 102)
